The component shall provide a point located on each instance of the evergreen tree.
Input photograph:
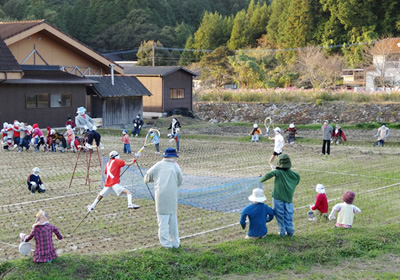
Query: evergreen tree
(145, 54)
(214, 31)
(217, 68)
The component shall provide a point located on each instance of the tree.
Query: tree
(316, 69)
(145, 54)
(214, 31)
(188, 57)
(216, 68)
(248, 26)
(247, 71)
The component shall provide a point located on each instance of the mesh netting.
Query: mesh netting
(225, 194)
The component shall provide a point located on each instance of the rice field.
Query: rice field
(229, 166)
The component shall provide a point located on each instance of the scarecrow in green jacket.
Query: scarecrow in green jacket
(285, 184)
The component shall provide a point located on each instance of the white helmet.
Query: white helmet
(255, 125)
(277, 129)
(291, 125)
(68, 127)
(16, 123)
(36, 170)
(52, 132)
(114, 154)
(10, 125)
(5, 124)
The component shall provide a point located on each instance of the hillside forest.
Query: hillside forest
(254, 43)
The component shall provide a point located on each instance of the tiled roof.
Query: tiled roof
(7, 59)
(154, 71)
(50, 77)
(387, 46)
(12, 28)
(123, 86)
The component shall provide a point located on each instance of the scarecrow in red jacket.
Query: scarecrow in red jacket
(338, 135)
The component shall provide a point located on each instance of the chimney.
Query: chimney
(112, 73)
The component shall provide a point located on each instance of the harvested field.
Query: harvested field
(373, 173)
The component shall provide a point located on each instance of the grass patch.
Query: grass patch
(272, 254)
(295, 95)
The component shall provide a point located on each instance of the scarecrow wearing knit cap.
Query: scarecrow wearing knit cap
(346, 211)
(320, 208)
(259, 215)
(42, 232)
(285, 184)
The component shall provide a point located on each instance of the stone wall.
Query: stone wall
(299, 113)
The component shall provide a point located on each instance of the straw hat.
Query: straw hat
(257, 196)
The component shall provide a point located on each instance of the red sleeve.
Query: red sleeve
(318, 203)
(344, 136)
(121, 163)
(105, 170)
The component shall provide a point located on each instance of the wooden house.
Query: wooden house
(171, 87)
(57, 73)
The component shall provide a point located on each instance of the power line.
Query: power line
(237, 51)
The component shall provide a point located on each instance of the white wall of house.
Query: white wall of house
(390, 70)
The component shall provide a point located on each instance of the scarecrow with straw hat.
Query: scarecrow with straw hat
(346, 211)
(167, 177)
(42, 232)
(113, 171)
(285, 184)
(259, 215)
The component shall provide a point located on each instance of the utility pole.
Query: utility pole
(154, 53)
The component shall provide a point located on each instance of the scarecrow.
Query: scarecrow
(86, 123)
(113, 171)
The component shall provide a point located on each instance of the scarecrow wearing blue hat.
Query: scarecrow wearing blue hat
(167, 177)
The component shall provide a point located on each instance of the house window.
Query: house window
(177, 93)
(60, 100)
(37, 100)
